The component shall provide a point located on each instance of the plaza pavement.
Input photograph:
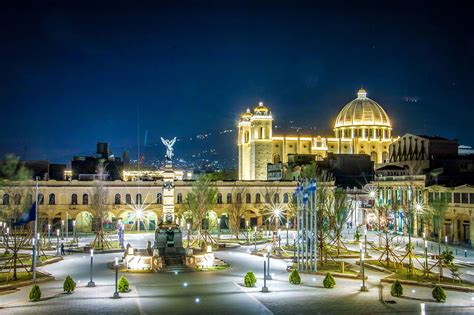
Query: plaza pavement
(219, 292)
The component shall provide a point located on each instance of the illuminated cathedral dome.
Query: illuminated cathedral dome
(247, 115)
(362, 112)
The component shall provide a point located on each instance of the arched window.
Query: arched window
(29, 199)
(229, 198)
(219, 198)
(41, 199)
(238, 198)
(118, 198)
(276, 198)
(267, 198)
(52, 199)
(17, 199)
(179, 198)
(138, 199)
(373, 156)
(159, 199)
(248, 198)
(128, 199)
(285, 198)
(85, 199)
(74, 199)
(6, 199)
(384, 157)
(257, 198)
(276, 159)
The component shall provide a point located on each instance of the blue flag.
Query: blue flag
(28, 216)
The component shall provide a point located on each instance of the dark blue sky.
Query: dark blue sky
(76, 72)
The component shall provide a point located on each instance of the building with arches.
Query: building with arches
(361, 127)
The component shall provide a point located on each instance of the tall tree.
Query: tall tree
(100, 209)
(13, 177)
(437, 207)
(199, 201)
(339, 214)
(236, 210)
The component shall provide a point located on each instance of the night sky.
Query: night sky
(76, 72)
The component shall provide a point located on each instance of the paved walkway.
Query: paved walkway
(219, 292)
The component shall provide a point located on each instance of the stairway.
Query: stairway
(174, 263)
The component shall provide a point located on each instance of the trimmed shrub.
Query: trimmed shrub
(250, 279)
(438, 294)
(329, 281)
(295, 277)
(397, 289)
(123, 285)
(69, 285)
(357, 235)
(35, 293)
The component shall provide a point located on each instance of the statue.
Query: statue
(169, 148)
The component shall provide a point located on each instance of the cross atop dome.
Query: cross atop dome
(362, 93)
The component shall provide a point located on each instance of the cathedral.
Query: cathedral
(361, 127)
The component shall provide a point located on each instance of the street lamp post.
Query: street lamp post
(67, 226)
(73, 231)
(62, 229)
(6, 242)
(363, 288)
(189, 231)
(268, 276)
(91, 282)
(57, 243)
(116, 294)
(287, 225)
(49, 235)
(218, 228)
(247, 228)
(365, 241)
(426, 257)
(255, 237)
(294, 249)
(279, 242)
(264, 288)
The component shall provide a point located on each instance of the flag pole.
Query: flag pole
(35, 237)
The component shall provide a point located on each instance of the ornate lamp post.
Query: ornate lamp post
(91, 282)
(287, 225)
(268, 276)
(247, 229)
(365, 241)
(116, 294)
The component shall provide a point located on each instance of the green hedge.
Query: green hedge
(329, 281)
(69, 285)
(397, 289)
(35, 293)
(123, 284)
(295, 277)
(438, 294)
(250, 279)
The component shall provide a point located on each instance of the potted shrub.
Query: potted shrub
(329, 281)
(438, 294)
(69, 285)
(250, 279)
(35, 293)
(295, 277)
(123, 285)
(397, 289)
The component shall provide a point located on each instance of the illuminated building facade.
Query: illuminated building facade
(361, 127)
